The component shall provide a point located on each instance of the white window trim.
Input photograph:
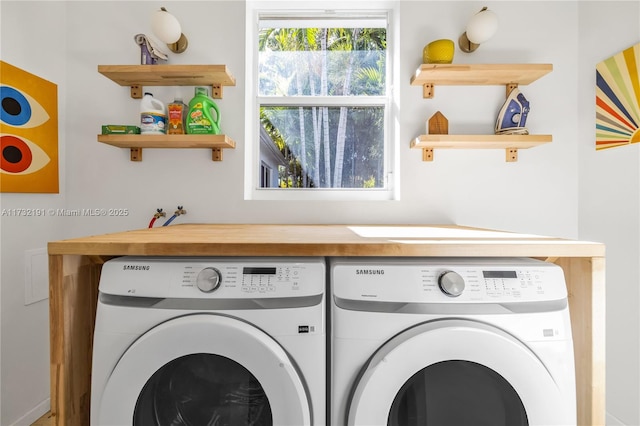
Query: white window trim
(252, 101)
(330, 101)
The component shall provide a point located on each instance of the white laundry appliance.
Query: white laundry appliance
(450, 342)
(210, 342)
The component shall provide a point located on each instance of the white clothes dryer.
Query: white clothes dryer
(450, 342)
(210, 341)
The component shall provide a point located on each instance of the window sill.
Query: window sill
(321, 194)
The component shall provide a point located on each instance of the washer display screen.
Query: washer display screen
(258, 271)
(499, 274)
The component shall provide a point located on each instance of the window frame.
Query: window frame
(346, 13)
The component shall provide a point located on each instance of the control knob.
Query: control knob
(208, 280)
(451, 283)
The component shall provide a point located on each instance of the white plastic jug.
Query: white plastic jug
(153, 115)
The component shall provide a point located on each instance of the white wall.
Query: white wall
(538, 194)
(610, 204)
(466, 187)
(25, 329)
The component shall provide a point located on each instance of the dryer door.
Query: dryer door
(456, 372)
(200, 370)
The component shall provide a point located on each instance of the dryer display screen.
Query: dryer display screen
(258, 271)
(499, 274)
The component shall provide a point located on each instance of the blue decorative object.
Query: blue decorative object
(513, 115)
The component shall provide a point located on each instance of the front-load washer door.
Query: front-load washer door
(204, 370)
(454, 373)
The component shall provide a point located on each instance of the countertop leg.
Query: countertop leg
(73, 290)
(585, 278)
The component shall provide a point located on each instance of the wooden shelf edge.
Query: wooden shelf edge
(168, 141)
(137, 142)
(168, 75)
(137, 76)
(510, 143)
(479, 74)
(479, 141)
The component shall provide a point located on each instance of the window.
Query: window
(322, 104)
(266, 174)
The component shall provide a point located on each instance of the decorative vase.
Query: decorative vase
(438, 52)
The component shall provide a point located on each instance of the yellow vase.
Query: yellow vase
(438, 52)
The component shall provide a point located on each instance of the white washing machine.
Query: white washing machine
(435, 341)
(210, 342)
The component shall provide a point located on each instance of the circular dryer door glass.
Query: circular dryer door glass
(202, 370)
(202, 389)
(457, 393)
(446, 371)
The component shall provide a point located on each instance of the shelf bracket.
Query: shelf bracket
(216, 91)
(136, 91)
(427, 90)
(427, 154)
(216, 154)
(437, 125)
(512, 155)
(136, 154)
(510, 88)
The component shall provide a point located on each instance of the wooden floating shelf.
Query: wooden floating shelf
(137, 142)
(137, 76)
(511, 75)
(510, 143)
(480, 141)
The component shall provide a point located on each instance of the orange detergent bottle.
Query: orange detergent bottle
(177, 112)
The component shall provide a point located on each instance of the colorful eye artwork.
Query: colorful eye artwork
(28, 132)
(618, 99)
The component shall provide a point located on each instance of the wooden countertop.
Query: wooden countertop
(322, 240)
(75, 266)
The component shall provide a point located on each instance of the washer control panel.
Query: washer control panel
(269, 279)
(452, 280)
(233, 278)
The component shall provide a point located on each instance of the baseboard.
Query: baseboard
(33, 415)
(613, 421)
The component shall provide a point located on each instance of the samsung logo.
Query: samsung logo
(136, 267)
(369, 271)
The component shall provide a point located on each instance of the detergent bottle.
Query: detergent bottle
(153, 116)
(201, 114)
(177, 112)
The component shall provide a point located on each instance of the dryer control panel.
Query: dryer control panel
(224, 278)
(440, 280)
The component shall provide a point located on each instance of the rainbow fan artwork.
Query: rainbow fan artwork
(618, 99)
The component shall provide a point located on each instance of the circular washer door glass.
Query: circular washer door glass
(453, 393)
(202, 390)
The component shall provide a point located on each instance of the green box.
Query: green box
(120, 129)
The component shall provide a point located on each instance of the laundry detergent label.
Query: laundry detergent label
(177, 119)
(151, 122)
(198, 122)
